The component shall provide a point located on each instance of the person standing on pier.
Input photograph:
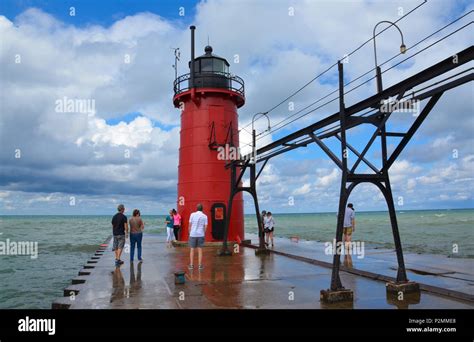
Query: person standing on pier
(136, 234)
(269, 228)
(169, 229)
(198, 225)
(176, 224)
(119, 231)
(349, 225)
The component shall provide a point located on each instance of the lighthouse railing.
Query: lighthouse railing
(210, 79)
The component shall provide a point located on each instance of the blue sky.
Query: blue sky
(104, 13)
(80, 157)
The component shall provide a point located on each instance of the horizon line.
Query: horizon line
(275, 213)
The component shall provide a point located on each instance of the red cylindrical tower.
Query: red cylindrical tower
(208, 98)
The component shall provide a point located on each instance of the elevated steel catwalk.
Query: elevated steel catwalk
(336, 126)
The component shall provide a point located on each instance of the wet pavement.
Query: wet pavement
(239, 281)
(456, 274)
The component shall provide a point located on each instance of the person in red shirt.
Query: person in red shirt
(176, 224)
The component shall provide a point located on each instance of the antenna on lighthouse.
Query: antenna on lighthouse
(177, 55)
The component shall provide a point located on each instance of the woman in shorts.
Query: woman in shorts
(269, 226)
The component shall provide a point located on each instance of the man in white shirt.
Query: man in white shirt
(349, 223)
(197, 232)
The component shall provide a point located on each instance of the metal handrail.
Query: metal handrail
(181, 84)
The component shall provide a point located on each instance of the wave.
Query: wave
(7, 270)
(69, 247)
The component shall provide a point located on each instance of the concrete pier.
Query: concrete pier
(247, 281)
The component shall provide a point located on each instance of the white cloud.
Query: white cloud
(329, 179)
(4, 194)
(132, 134)
(303, 190)
(411, 185)
(50, 198)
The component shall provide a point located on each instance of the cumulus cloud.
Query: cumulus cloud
(304, 189)
(132, 134)
(45, 60)
(329, 179)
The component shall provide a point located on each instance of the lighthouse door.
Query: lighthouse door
(218, 220)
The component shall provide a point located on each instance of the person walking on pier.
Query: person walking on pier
(136, 234)
(176, 224)
(269, 228)
(169, 229)
(198, 225)
(349, 225)
(119, 231)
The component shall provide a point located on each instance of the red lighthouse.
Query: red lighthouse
(208, 98)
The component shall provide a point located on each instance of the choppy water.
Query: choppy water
(65, 243)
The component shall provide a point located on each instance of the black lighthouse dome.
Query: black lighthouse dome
(208, 50)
